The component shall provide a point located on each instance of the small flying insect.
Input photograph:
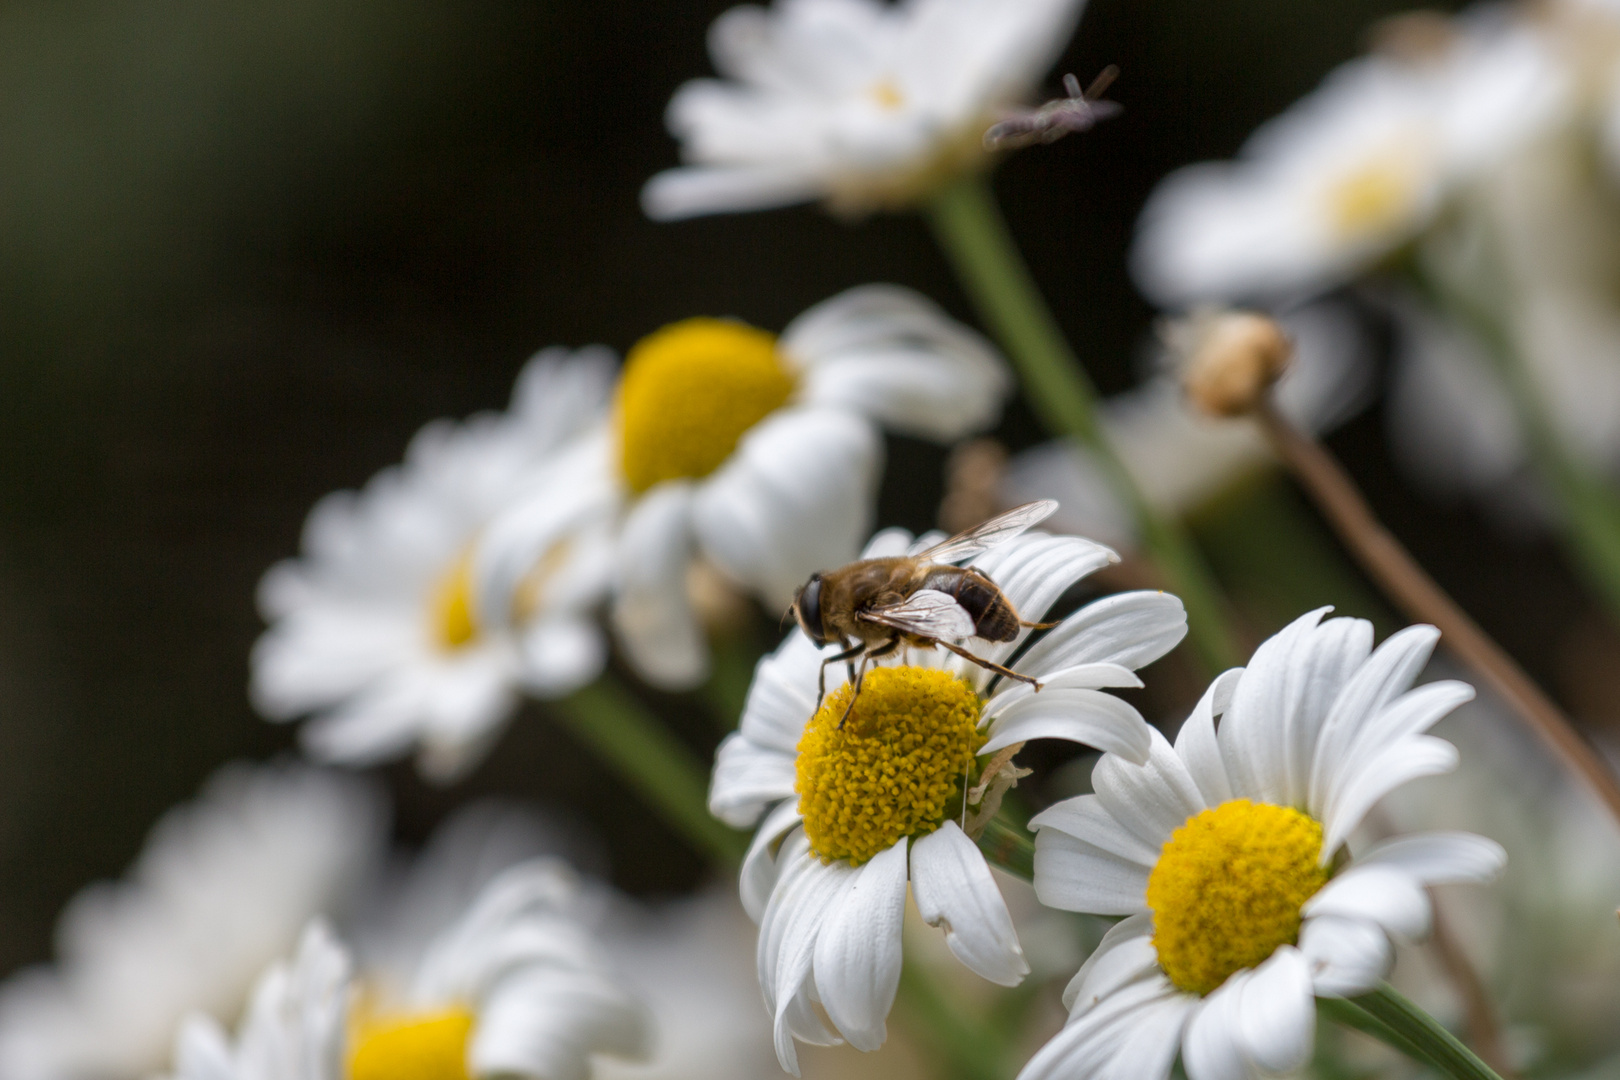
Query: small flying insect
(872, 607)
(1078, 112)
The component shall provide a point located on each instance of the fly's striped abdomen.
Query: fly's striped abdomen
(993, 616)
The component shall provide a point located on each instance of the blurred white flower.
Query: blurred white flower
(1181, 458)
(375, 628)
(753, 455)
(841, 838)
(294, 1026)
(515, 986)
(1353, 170)
(223, 887)
(860, 103)
(1223, 852)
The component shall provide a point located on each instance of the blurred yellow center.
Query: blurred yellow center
(454, 624)
(1228, 888)
(689, 392)
(895, 769)
(1371, 199)
(429, 1046)
(887, 95)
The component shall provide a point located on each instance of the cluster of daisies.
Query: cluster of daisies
(630, 508)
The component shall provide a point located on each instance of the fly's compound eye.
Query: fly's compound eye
(807, 606)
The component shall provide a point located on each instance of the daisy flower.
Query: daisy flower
(374, 629)
(827, 872)
(860, 103)
(293, 1028)
(1227, 854)
(733, 449)
(1352, 171)
(515, 986)
(223, 887)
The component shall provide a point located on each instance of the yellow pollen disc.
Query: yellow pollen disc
(689, 392)
(431, 1046)
(887, 95)
(1371, 199)
(453, 622)
(897, 767)
(1228, 888)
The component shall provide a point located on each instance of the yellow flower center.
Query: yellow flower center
(896, 768)
(689, 392)
(887, 94)
(1373, 198)
(430, 1046)
(453, 621)
(1228, 888)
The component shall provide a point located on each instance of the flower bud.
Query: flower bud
(1230, 359)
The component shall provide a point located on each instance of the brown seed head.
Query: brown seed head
(1230, 359)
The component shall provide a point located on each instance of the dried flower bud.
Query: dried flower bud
(1230, 359)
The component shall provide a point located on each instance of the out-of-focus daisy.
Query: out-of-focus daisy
(1227, 855)
(376, 629)
(860, 103)
(731, 449)
(222, 888)
(294, 1026)
(1353, 170)
(515, 986)
(1181, 458)
(852, 813)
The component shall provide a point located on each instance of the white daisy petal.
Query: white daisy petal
(1211, 1046)
(693, 192)
(760, 867)
(1439, 858)
(1375, 777)
(1033, 571)
(857, 959)
(747, 778)
(1132, 629)
(1084, 818)
(792, 499)
(1347, 956)
(1124, 955)
(1152, 800)
(1277, 1014)
(1197, 745)
(561, 654)
(651, 613)
(953, 888)
(1089, 717)
(1393, 899)
(1072, 875)
(1079, 676)
(540, 1020)
(1131, 1033)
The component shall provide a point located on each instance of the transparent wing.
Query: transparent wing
(988, 534)
(927, 612)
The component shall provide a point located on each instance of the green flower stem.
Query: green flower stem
(968, 1048)
(731, 672)
(1008, 846)
(1592, 506)
(661, 769)
(1388, 1015)
(973, 234)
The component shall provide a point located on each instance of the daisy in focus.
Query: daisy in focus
(862, 104)
(1227, 854)
(1357, 168)
(731, 450)
(375, 629)
(223, 887)
(826, 876)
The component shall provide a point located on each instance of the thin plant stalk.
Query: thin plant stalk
(656, 765)
(1401, 1024)
(1412, 590)
(974, 236)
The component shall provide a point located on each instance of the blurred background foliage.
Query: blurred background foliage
(248, 249)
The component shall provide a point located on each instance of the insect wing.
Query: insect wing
(984, 536)
(926, 613)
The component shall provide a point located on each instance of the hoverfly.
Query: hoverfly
(1078, 111)
(918, 600)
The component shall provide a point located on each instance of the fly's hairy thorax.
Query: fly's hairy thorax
(864, 585)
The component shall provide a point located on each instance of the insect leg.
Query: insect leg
(1036, 625)
(859, 679)
(821, 680)
(989, 664)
